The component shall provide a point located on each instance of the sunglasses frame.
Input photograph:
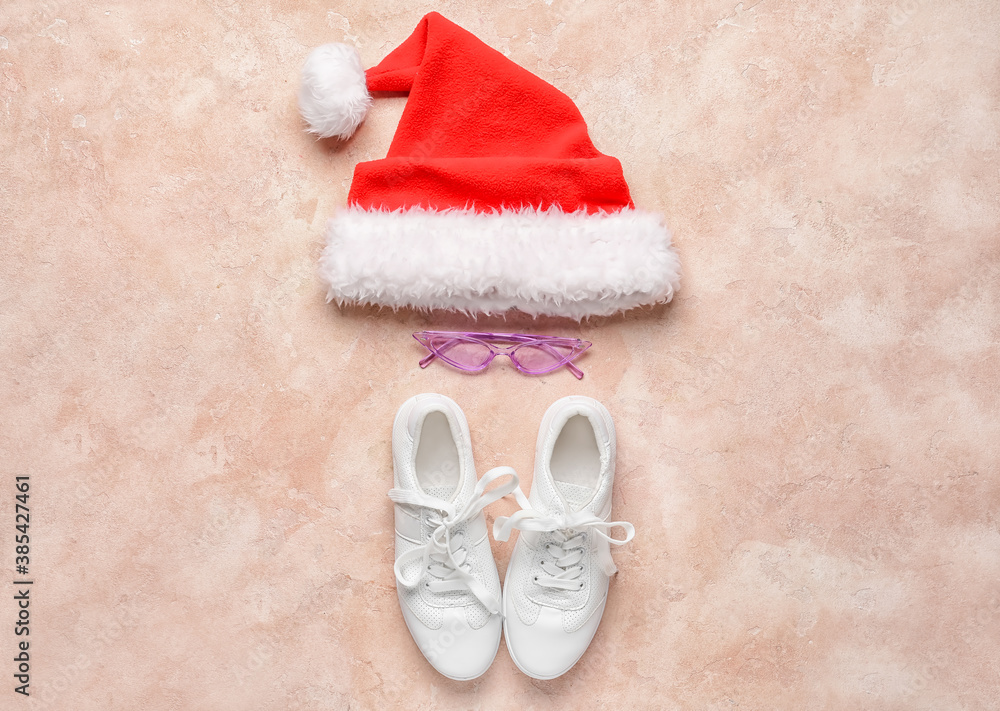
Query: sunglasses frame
(491, 341)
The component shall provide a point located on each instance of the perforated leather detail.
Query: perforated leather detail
(439, 492)
(596, 590)
(529, 597)
(476, 615)
(480, 558)
(517, 588)
(430, 616)
(575, 494)
(574, 619)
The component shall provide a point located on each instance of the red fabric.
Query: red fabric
(479, 131)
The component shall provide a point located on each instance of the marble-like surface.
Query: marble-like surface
(809, 435)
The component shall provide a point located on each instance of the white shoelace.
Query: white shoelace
(444, 555)
(570, 531)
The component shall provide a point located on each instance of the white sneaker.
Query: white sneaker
(446, 578)
(557, 581)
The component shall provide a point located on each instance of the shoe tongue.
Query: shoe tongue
(576, 496)
(446, 493)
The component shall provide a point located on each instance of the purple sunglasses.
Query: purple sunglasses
(472, 352)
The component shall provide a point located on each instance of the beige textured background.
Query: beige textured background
(809, 435)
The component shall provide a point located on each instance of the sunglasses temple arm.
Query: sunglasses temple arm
(427, 360)
(574, 370)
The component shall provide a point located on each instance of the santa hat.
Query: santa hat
(492, 195)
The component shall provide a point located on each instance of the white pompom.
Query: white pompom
(333, 97)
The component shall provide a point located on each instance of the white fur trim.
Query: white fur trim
(333, 97)
(543, 262)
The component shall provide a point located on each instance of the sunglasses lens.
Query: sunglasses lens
(541, 357)
(461, 352)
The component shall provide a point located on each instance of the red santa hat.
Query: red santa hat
(492, 195)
